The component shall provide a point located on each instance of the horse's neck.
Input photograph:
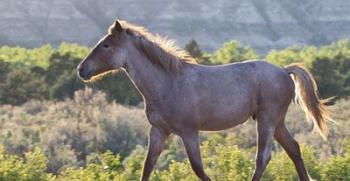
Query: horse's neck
(151, 81)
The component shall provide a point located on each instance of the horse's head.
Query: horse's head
(109, 53)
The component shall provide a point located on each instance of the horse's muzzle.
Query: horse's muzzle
(83, 73)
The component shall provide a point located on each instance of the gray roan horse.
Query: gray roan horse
(183, 98)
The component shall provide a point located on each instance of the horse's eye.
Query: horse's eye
(105, 45)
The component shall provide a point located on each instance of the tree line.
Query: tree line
(48, 73)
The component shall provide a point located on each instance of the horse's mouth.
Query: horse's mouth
(85, 76)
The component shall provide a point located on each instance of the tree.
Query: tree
(232, 51)
(193, 49)
(291, 55)
(22, 57)
(329, 81)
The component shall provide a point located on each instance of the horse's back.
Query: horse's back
(256, 72)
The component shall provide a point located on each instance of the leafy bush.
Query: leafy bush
(30, 168)
(338, 167)
(109, 167)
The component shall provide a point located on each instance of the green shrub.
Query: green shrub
(338, 167)
(30, 168)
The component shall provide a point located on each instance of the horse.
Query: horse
(184, 98)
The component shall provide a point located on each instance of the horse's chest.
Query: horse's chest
(156, 119)
(168, 118)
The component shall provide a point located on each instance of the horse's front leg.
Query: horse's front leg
(191, 142)
(156, 142)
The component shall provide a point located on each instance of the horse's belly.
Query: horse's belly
(221, 125)
(224, 121)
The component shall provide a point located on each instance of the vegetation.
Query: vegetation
(46, 73)
(231, 52)
(54, 127)
(89, 138)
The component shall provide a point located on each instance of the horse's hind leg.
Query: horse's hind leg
(266, 128)
(292, 148)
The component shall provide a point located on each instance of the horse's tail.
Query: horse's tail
(307, 97)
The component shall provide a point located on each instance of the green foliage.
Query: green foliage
(329, 80)
(21, 57)
(49, 73)
(19, 86)
(134, 162)
(228, 162)
(73, 51)
(332, 69)
(292, 55)
(108, 168)
(193, 49)
(338, 167)
(30, 168)
(177, 171)
(232, 51)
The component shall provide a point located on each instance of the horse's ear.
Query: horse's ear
(116, 27)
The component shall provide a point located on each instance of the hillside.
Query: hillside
(262, 24)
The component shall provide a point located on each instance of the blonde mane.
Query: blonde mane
(160, 50)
